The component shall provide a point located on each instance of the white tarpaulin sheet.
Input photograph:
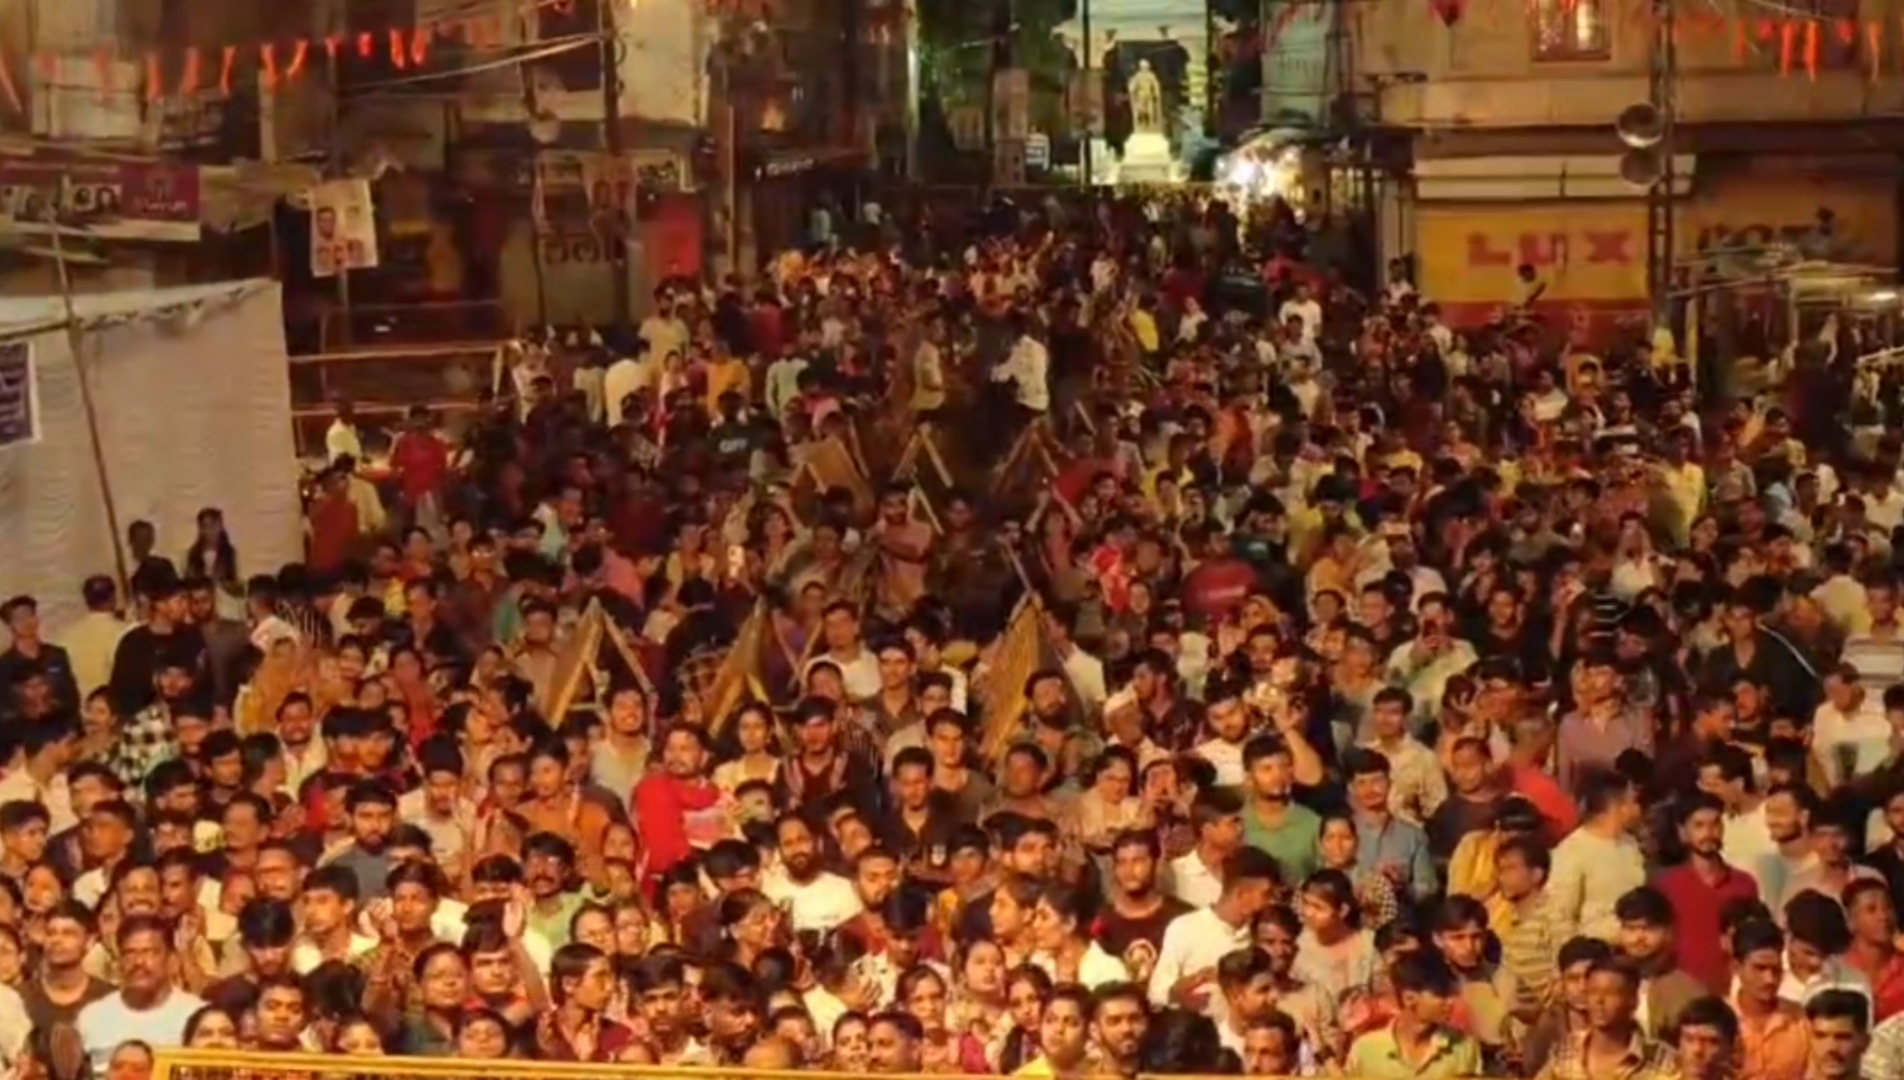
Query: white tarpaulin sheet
(194, 408)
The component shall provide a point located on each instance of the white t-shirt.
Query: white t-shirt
(821, 904)
(109, 1022)
(1309, 311)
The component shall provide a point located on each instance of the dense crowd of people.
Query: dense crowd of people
(1278, 681)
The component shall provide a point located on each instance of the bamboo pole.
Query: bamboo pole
(76, 341)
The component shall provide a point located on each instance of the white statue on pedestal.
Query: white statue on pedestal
(1146, 157)
(1146, 101)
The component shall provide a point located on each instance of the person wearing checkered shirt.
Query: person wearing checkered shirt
(151, 735)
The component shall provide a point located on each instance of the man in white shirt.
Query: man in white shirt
(38, 772)
(91, 640)
(147, 1007)
(815, 899)
(1028, 369)
(341, 438)
(1304, 307)
(626, 377)
(1850, 734)
(1196, 941)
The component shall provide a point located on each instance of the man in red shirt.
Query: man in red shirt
(421, 462)
(1872, 916)
(1700, 888)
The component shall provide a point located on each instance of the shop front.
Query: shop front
(1587, 259)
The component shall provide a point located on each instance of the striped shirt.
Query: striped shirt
(1529, 947)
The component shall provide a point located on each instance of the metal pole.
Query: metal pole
(334, 169)
(611, 142)
(1209, 69)
(1662, 94)
(1092, 93)
(76, 342)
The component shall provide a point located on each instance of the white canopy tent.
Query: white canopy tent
(189, 388)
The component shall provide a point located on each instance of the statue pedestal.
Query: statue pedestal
(1147, 160)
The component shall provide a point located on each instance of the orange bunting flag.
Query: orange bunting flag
(154, 79)
(188, 82)
(366, 45)
(1767, 30)
(331, 45)
(268, 64)
(8, 90)
(1741, 45)
(1847, 31)
(1811, 49)
(1874, 48)
(299, 51)
(102, 67)
(226, 63)
(399, 56)
(419, 46)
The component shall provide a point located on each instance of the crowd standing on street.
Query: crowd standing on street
(1276, 680)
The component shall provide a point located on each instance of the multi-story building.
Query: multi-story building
(1511, 108)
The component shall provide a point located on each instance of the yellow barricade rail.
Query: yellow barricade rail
(242, 1065)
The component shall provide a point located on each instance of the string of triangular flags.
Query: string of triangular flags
(186, 72)
(1800, 39)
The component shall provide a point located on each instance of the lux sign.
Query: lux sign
(1594, 247)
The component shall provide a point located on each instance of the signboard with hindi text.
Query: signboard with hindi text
(113, 200)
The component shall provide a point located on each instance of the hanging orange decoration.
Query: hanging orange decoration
(1811, 49)
(298, 53)
(154, 79)
(419, 46)
(8, 90)
(399, 56)
(102, 68)
(226, 63)
(1847, 31)
(331, 45)
(1874, 48)
(268, 65)
(188, 82)
(366, 45)
(1787, 39)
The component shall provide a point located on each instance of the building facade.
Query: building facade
(1785, 134)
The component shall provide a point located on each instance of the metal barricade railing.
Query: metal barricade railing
(175, 1064)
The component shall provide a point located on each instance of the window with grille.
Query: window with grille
(1571, 30)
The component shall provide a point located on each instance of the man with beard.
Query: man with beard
(1026, 847)
(1648, 927)
(815, 898)
(676, 802)
(1699, 888)
(372, 810)
(1273, 822)
(1132, 927)
(582, 984)
(1120, 1017)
